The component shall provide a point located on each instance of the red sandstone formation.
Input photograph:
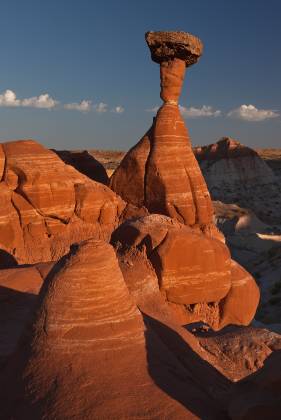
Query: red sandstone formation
(240, 304)
(161, 172)
(195, 273)
(22, 279)
(107, 339)
(89, 355)
(2, 161)
(47, 205)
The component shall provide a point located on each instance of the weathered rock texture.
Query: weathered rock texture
(89, 355)
(47, 205)
(258, 396)
(106, 338)
(167, 46)
(238, 352)
(161, 172)
(237, 174)
(195, 273)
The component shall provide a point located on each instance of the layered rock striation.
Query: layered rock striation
(195, 273)
(106, 338)
(47, 205)
(161, 172)
(192, 264)
(88, 353)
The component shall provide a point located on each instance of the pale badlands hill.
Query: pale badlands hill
(111, 158)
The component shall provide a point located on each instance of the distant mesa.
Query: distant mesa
(225, 148)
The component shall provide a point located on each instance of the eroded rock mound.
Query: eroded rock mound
(195, 273)
(89, 355)
(47, 205)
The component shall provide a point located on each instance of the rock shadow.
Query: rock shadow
(16, 310)
(184, 375)
(7, 260)
(258, 396)
(84, 163)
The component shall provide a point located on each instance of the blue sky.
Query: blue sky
(90, 62)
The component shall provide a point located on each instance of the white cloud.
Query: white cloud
(41, 101)
(101, 107)
(118, 109)
(9, 99)
(251, 113)
(83, 106)
(204, 111)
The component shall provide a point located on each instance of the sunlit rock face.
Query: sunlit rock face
(46, 205)
(195, 273)
(193, 265)
(107, 334)
(88, 349)
(161, 172)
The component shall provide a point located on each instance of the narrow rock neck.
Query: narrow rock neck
(172, 75)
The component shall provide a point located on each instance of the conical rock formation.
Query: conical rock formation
(161, 172)
(88, 354)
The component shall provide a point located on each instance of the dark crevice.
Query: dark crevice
(156, 261)
(149, 135)
(193, 195)
(5, 165)
(179, 213)
(17, 211)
